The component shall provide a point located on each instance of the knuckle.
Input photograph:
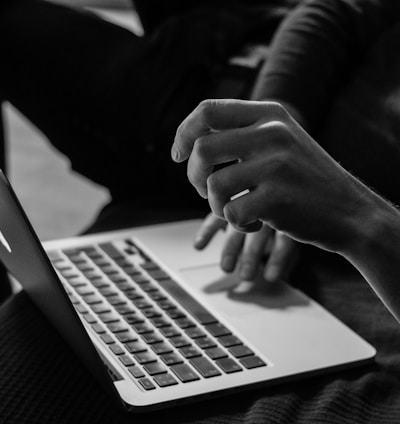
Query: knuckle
(215, 184)
(201, 148)
(278, 110)
(232, 216)
(206, 108)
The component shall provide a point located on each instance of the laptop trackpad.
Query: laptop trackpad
(232, 297)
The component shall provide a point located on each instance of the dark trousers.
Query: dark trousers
(111, 101)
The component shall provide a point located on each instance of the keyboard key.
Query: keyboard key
(151, 313)
(135, 347)
(169, 331)
(147, 384)
(116, 327)
(165, 380)
(107, 338)
(109, 269)
(92, 299)
(240, 351)
(69, 273)
(154, 368)
(111, 250)
(123, 262)
(151, 338)
(252, 362)
(85, 290)
(99, 329)
(150, 265)
(188, 302)
(230, 340)
(89, 318)
(133, 318)
(145, 357)
(179, 341)
(77, 282)
(100, 308)
(148, 287)
(116, 300)
(138, 278)
(108, 291)
(142, 328)
(217, 329)
(136, 371)
(160, 348)
(74, 300)
(158, 274)
(100, 283)
(171, 358)
(116, 349)
(108, 317)
(125, 309)
(216, 353)
(228, 365)
(126, 360)
(205, 367)
(195, 332)
(190, 352)
(157, 296)
(175, 313)
(165, 304)
(81, 309)
(124, 285)
(205, 342)
(184, 322)
(126, 336)
(185, 373)
(160, 322)
(118, 279)
(141, 303)
(133, 294)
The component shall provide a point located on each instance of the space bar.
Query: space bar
(186, 301)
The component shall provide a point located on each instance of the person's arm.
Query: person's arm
(293, 186)
(315, 49)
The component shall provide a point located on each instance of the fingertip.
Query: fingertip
(228, 263)
(251, 228)
(247, 272)
(175, 154)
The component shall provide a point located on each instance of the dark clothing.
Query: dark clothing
(111, 101)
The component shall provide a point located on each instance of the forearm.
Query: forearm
(315, 49)
(375, 249)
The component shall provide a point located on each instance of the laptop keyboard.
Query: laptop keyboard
(157, 330)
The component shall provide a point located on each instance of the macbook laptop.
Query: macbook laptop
(159, 324)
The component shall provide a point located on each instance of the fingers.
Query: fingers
(243, 212)
(282, 259)
(208, 228)
(219, 115)
(253, 252)
(213, 149)
(228, 183)
(232, 249)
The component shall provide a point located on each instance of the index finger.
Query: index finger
(217, 115)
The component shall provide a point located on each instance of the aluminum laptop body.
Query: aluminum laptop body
(162, 324)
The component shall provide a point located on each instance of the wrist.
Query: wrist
(375, 233)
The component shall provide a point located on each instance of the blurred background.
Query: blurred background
(58, 202)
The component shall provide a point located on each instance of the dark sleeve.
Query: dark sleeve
(315, 49)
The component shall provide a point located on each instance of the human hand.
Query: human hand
(248, 251)
(292, 184)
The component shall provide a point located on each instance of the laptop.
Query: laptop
(159, 324)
